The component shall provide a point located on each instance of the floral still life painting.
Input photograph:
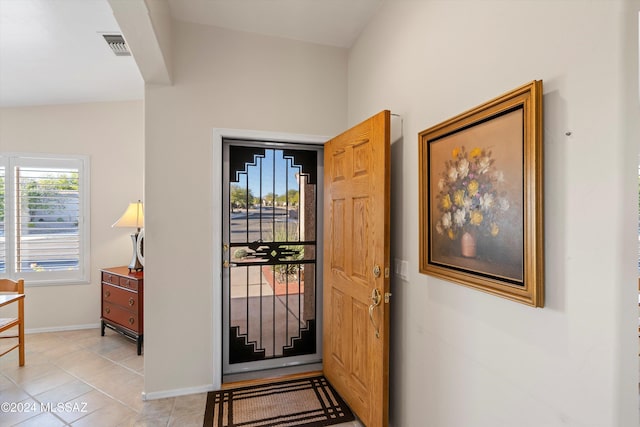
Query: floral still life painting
(477, 198)
(481, 206)
(470, 203)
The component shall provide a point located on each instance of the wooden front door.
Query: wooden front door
(356, 267)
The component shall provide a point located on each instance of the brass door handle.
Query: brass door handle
(375, 301)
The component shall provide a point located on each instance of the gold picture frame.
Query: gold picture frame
(481, 197)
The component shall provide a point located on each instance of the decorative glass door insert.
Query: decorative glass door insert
(270, 199)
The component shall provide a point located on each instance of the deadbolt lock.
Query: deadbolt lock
(376, 271)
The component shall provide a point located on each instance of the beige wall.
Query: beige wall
(464, 358)
(111, 134)
(459, 357)
(222, 79)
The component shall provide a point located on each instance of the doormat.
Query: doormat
(304, 402)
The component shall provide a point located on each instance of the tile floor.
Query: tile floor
(97, 381)
(78, 378)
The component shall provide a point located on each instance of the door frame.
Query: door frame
(217, 218)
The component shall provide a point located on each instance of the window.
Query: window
(44, 211)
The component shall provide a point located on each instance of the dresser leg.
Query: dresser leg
(139, 345)
(102, 328)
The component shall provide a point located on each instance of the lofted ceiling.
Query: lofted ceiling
(53, 52)
(328, 22)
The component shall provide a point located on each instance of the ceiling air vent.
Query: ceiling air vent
(117, 44)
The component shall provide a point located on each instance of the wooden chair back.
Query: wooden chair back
(8, 286)
(12, 286)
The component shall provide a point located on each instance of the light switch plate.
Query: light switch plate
(401, 268)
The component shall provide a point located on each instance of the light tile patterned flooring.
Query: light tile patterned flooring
(100, 379)
(78, 378)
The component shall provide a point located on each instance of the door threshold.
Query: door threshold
(269, 375)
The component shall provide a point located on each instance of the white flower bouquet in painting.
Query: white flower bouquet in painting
(468, 200)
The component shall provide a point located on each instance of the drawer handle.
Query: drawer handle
(107, 294)
(107, 310)
(131, 302)
(131, 320)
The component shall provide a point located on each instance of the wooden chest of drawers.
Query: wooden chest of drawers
(122, 302)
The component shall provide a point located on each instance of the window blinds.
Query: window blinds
(47, 218)
(44, 231)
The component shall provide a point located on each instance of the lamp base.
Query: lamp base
(135, 262)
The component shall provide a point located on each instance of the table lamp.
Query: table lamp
(133, 217)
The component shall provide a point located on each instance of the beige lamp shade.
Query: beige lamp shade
(132, 217)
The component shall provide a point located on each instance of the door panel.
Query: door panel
(337, 231)
(356, 332)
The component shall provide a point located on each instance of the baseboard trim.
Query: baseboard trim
(62, 328)
(154, 395)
